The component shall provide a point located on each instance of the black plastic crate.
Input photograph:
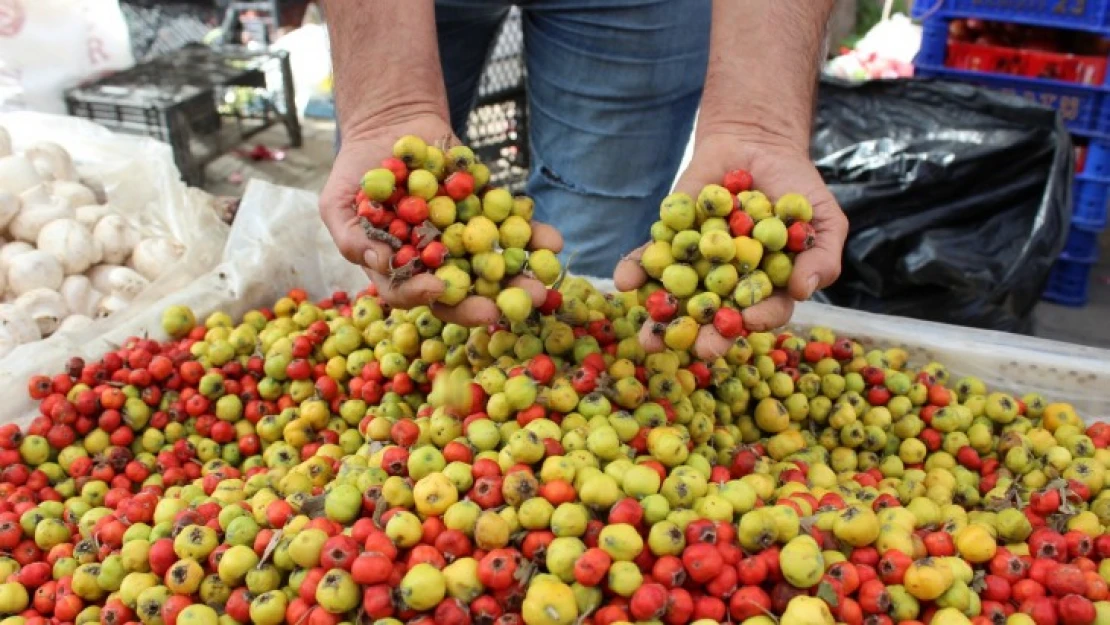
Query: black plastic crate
(497, 129)
(498, 133)
(173, 117)
(503, 75)
(132, 109)
(181, 98)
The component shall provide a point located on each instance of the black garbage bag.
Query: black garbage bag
(958, 199)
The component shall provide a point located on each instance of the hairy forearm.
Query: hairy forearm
(764, 56)
(385, 62)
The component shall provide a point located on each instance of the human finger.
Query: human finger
(773, 312)
(419, 290)
(545, 237)
(535, 289)
(345, 228)
(651, 337)
(710, 344)
(629, 275)
(819, 267)
(472, 312)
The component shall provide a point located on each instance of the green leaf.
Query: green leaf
(828, 594)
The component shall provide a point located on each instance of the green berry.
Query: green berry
(378, 184)
(677, 211)
(715, 201)
(771, 232)
(515, 303)
(497, 205)
(412, 150)
(457, 284)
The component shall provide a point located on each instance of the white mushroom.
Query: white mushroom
(38, 209)
(79, 295)
(91, 214)
(16, 328)
(152, 257)
(10, 251)
(9, 207)
(74, 193)
(71, 243)
(110, 305)
(51, 161)
(117, 237)
(5, 142)
(116, 280)
(33, 270)
(45, 306)
(17, 174)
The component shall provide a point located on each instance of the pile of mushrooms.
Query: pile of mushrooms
(66, 256)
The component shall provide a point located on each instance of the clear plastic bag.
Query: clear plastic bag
(278, 242)
(139, 178)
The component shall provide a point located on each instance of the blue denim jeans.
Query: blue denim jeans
(613, 88)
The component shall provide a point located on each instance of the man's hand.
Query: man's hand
(379, 100)
(776, 170)
(363, 152)
(755, 114)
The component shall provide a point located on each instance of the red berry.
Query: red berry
(459, 185)
(398, 228)
(649, 602)
(702, 561)
(433, 255)
(1076, 610)
(413, 210)
(398, 167)
(661, 306)
(800, 236)
(738, 181)
(740, 224)
(403, 256)
(729, 322)
(551, 302)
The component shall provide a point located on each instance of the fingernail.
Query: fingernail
(371, 259)
(811, 286)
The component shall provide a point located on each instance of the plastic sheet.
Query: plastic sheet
(958, 199)
(140, 180)
(278, 242)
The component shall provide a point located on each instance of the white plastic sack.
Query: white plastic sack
(309, 60)
(278, 242)
(897, 39)
(140, 180)
(48, 46)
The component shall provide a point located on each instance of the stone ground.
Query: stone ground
(308, 167)
(1089, 325)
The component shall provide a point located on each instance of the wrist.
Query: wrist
(756, 119)
(397, 113)
(767, 133)
(763, 68)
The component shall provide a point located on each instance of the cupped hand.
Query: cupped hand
(776, 171)
(362, 152)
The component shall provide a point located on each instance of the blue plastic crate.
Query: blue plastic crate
(1082, 245)
(1089, 15)
(1090, 198)
(1084, 108)
(1068, 283)
(1097, 166)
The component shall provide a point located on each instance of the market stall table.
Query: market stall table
(177, 98)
